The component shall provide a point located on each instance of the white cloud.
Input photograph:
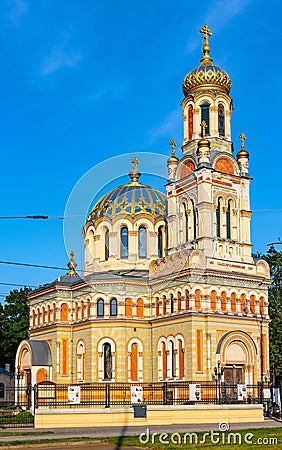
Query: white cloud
(60, 57)
(17, 9)
(168, 128)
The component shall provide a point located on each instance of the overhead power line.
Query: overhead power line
(19, 285)
(34, 265)
(32, 217)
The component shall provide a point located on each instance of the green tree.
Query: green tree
(14, 323)
(274, 259)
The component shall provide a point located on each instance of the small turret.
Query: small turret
(172, 162)
(203, 151)
(243, 157)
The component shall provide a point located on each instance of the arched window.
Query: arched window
(82, 310)
(140, 307)
(179, 301)
(213, 300)
(171, 303)
(160, 242)
(185, 223)
(48, 314)
(190, 122)
(134, 362)
(228, 220)
(181, 358)
(261, 306)
(107, 359)
(221, 120)
(2, 390)
(172, 359)
(64, 312)
(76, 311)
(157, 306)
(107, 245)
(33, 318)
(128, 307)
(38, 317)
(113, 307)
(164, 361)
(233, 302)
(80, 361)
(88, 308)
(205, 116)
(243, 303)
(252, 304)
(187, 300)
(142, 242)
(124, 242)
(54, 312)
(218, 217)
(43, 316)
(223, 301)
(198, 299)
(164, 305)
(42, 375)
(193, 220)
(100, 307)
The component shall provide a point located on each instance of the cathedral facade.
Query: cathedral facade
(170, 288)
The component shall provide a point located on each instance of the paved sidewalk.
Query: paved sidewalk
(100, 432)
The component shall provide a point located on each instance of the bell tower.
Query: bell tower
(208, 189)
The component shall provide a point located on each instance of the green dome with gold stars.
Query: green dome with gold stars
(131, 199)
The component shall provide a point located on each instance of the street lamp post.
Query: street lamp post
(19, 376)
(218, 372)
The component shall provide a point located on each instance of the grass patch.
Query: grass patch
(21, 417)
(24, 433)
(261, 437)
(47, 441)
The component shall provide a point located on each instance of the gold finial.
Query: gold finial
(134, 173)
(243, 138)
(134, 162)
(204, 126)
(72, 265)
(206, 58)
(173, 145)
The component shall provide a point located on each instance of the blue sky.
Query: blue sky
(82, 81)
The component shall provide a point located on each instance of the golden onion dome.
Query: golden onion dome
(243, 153)
(131, 199)
(207, 75)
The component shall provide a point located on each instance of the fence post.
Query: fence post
(34, 398)
(260, 392)
(165, 392)
(107, 385)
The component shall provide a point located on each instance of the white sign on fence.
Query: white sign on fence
(74, 394)
(194, 392)
(136, 393)
(241, 392)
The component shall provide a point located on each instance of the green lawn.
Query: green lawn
(229, 440)
(252, 436)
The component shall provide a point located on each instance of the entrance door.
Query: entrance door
(232, 376)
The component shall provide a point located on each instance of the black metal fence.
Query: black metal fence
(16, 407)
(105, 395)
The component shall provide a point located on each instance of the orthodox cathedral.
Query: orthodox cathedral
(170, 288)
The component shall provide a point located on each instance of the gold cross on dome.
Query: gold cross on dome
(206, 31)
(134, 162)
(173, 145)
(72, 255)
(204, 126)
(243, 138)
